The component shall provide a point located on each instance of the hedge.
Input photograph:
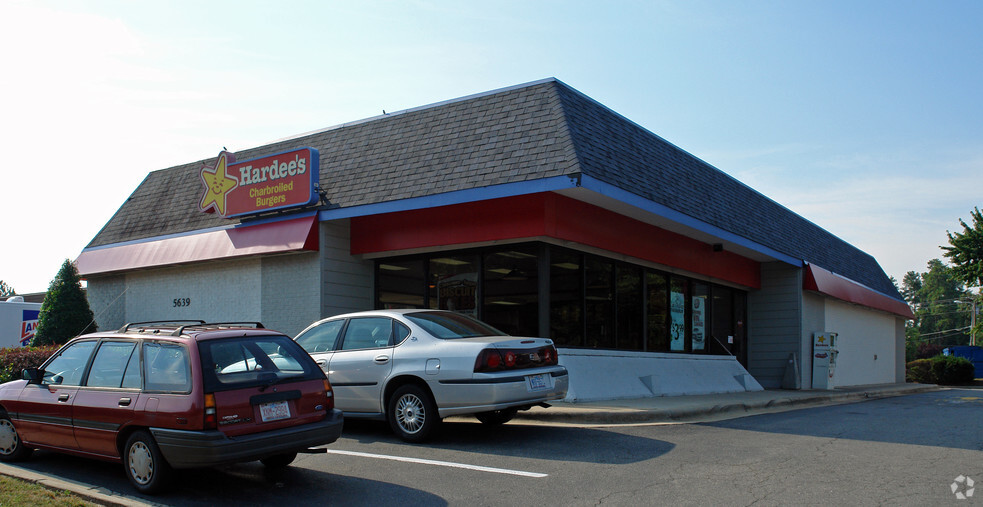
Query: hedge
(945, 370)
(920, 371)
(14, 360)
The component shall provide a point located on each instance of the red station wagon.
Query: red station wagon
(160, 396)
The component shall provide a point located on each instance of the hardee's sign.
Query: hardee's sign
(282, 180)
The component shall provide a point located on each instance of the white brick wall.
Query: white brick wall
(211, 291)
(866, 343)
(107, 300)
(291, 298)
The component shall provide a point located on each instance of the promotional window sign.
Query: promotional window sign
(699, 322)
(677, 315)
(28, 325)
(278, 181)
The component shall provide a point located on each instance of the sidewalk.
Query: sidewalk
(706, 407)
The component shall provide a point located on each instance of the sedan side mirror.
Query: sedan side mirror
(31, 375)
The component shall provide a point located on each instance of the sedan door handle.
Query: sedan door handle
(321, 362)
(124, 402)
(381, 359)
(62, 397)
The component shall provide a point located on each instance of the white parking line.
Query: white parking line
(440, 463)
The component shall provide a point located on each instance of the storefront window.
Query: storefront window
(401, 284)
(599, 301)
(593, 301)
(657, 314)
(699, 316)
(630, 316)
(677, 315)
(740, 330)
(510, 291)
(723, 319)
(566, 298)
(454, 283)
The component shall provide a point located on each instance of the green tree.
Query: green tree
(6, 290)
(942, 316)
(65, 312)
(966, 250)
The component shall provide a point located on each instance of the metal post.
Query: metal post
(972, 324)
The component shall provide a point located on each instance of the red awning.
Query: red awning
(272, 237)
(829, 283)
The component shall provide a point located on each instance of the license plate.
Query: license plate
(540, 382)
(274, 411)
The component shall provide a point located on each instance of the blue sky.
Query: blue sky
(862, 116)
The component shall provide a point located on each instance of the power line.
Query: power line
(958, 330)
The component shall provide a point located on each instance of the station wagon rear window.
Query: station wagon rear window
(254, 361)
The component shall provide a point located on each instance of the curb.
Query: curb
(93, 494)
(695, 412)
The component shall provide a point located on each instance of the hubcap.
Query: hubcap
(141, 462)
(8, 437)
(410, 413)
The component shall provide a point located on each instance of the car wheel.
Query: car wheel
(146, 467)
(11, 448)
(497, 417)
(412, 413)
(279, 461)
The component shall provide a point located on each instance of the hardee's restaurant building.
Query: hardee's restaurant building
(533, 208)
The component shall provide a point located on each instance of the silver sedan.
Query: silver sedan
(415, 367)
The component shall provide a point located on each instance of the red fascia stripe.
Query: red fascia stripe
(549, 215)
(273, 237)
(826, 282)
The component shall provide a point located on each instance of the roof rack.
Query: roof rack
(127, 327)
(179, 331)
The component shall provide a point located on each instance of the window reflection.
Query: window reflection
(657, 314)
(454, 283)
(629, 285)
(401, 284)
(511, 290)
(566, 299)
(599, 296)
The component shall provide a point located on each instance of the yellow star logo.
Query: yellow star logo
(218, 184)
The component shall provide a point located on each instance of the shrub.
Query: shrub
(945, 370)
(952, 370)
(65, 312)
(920, 371)
(13, 360)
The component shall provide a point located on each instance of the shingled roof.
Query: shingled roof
(523, 133)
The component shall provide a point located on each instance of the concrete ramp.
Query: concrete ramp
(610, 375)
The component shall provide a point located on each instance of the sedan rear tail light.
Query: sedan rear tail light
(329, 394)
(492, 359)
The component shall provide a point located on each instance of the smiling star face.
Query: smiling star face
(218, 184)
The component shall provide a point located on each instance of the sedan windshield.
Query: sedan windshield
(448, 325)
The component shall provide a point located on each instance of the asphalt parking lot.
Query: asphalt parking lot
(536, 446)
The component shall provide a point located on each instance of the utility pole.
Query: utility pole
(972, 322)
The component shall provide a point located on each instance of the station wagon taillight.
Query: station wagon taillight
(211, 419)
(493, 359)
